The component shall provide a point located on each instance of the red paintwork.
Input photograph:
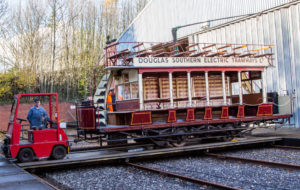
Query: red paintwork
(208, 113)
(86, 117)
(224, 114)
(141, 118)
(43, 140)
(190, 115)
(204, 69)
(190, 123)
(126, 105)
(172, 116)
(241, 111)
(265, 109)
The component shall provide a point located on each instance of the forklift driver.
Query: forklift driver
(37, 116)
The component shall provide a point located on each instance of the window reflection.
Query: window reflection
(120, 92)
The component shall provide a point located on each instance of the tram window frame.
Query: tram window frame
(123, 91)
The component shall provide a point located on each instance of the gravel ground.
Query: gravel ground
(116, 177)
(235, 174)
(72, 135)
(287, 156)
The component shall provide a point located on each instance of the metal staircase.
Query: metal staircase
(100, 100)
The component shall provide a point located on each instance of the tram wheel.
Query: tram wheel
(230, 134)
(25, 155)
(161, 142)
(180, 140)
(58, 152)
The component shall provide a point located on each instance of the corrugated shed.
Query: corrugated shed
(279, 27)
(155, 22)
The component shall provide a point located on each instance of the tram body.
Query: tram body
(170, 93)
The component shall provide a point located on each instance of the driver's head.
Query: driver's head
(37, 101)
(112, 91)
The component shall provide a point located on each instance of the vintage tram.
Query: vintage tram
(173, 93)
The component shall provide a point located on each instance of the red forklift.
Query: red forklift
(50, 142)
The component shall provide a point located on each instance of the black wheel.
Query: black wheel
(180, 140)
(25, 155)
(58, 152)
(161, 142)
(229, 134)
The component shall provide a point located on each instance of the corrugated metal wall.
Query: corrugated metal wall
(279, 27)
(155, 22)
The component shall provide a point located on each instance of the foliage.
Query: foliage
(15, 82)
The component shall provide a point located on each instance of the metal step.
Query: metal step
(99, 99)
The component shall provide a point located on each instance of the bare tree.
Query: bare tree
(3, 12)
(58, 44)
(56, 7)
(27, 41)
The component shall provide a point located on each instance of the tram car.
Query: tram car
(174, 93)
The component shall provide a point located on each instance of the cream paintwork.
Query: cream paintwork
(202, 62)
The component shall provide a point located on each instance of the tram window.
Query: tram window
(126, 78)
(120, 92)
(127, 91)
(256, 86)
(235, 88)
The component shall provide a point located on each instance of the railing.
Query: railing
(122, 53)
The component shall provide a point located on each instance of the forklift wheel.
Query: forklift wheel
(25, 155)
(58, 152)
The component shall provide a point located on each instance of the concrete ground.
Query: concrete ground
(280, 132)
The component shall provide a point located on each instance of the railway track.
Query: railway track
(286, 147)
(191, 179)
(262, 162)
(122, 147)
(210, 170)
(112, 155)
(173, 169)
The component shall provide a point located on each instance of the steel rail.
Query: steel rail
(286, 147)
(93, 158)
(109, 147)
(262, 162)
(191, 179)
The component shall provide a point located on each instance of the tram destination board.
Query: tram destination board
(200, 62)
